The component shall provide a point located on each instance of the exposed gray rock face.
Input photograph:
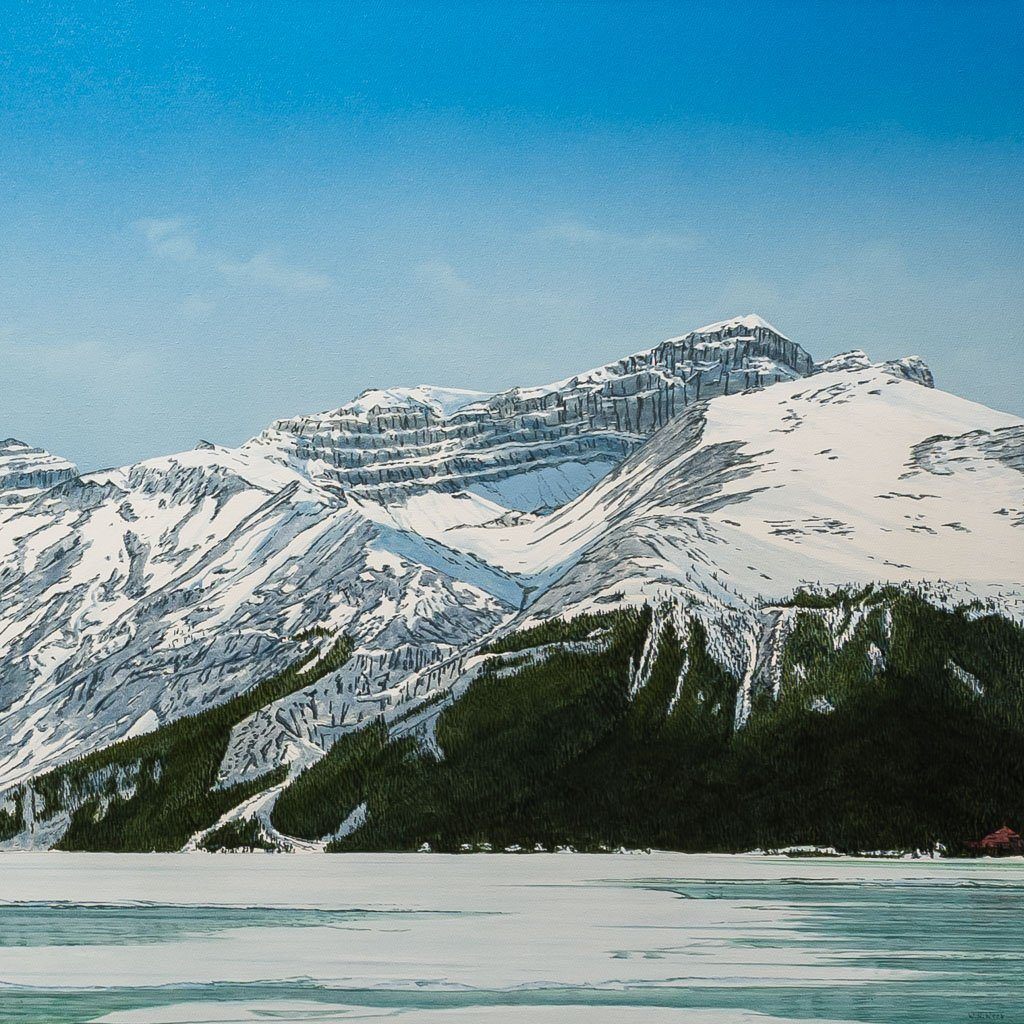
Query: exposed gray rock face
(26, 471)
(136, 596)
(941, 454)
(298, 729)
(912, 368)
(388, 444)
(909, 367)
(855, 359)
(130, 597)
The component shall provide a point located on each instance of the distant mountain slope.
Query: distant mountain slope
(26, 472)
(527, 448)
(134, 596)
(421, 521)
(882, 723)
(890, 725)
(850, 476)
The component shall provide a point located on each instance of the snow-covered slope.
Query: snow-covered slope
(134, 596)
(856, 475)
(421, 519)
(852, 476)
(527, 448)
(842, 478)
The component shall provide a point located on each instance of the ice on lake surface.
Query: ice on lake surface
(527, 939)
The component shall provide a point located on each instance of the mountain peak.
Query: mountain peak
(750, 322)
(855, 359)
(528, 448)
(713, 465)
(441, 401)
(26, 470)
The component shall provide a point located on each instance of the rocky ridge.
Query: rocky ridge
(388, 444)
(408, 519)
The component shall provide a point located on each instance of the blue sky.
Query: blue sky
(213, 215)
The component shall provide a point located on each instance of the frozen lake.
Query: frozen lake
(536, 939)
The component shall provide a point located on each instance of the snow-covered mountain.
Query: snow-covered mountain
(527, 448)
(26, 472)
(724, 465)
(849, 477)
(134, 596)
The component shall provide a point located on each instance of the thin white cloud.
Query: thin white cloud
(264, 269)
(198, 306)
(441, 276)
(168, 237)
(496, 295)
(577, 233)
(171, 238)
(60, 358)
